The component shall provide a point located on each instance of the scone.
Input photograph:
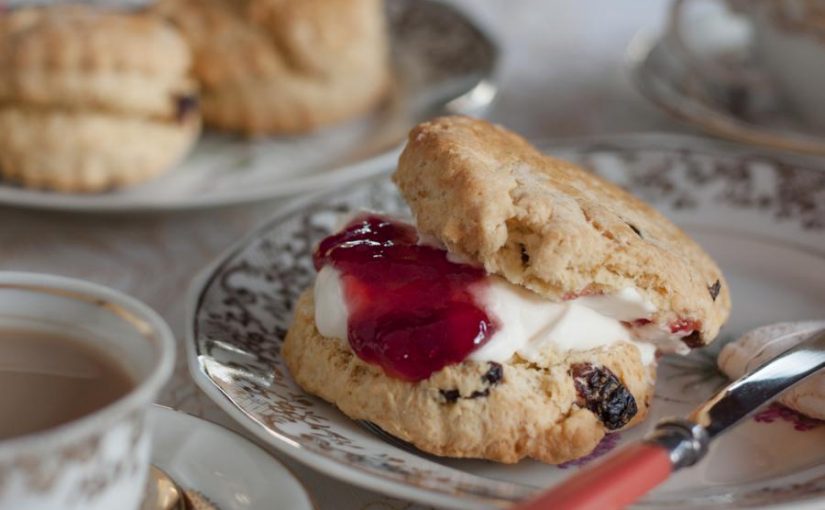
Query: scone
(92, 99)
(284, 66)
(520, 316)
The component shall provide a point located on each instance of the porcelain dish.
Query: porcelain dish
(225, 468)
(761, 216)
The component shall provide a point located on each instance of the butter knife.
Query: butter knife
(676, 443)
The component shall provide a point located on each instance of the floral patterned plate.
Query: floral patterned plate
(443, 64)
(760, 216)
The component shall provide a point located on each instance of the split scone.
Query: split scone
(284, 66)
(92, 99)
(520, 316)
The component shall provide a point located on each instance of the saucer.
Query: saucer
(748, 111)
(228, 470)
(758, 215)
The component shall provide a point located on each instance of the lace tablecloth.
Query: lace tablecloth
(561, 74)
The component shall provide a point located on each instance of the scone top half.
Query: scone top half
(557, 229)
(77, 57)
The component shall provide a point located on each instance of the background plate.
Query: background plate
(443, 64)
(761, 217)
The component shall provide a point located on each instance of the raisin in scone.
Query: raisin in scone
(285, 66)
(92, 99)
(445, 344)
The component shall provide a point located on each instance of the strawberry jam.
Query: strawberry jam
(685, 326)
(411, 310)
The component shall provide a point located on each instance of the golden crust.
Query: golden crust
(532, 413)
(76, 56)
(551, 226)
(84, 152)
(288, 66)
(92, 99)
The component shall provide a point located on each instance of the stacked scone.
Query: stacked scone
(284, 66)
(92, 99)
(521, 315)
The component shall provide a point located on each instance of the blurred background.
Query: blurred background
(563, 66)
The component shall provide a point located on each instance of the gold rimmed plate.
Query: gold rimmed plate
(760, 215)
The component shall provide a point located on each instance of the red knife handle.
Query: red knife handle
(610, 485)
(630, 473)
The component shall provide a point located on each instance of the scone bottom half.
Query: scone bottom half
(431, 345)
(397, 333)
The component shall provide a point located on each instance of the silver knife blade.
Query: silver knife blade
(743, 397)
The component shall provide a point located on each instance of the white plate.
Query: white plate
(761, 217)
(443, 64)
(230, 471)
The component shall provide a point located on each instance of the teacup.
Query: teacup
(99, 460)
(788, 39)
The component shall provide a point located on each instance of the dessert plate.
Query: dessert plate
(228, 470)
(443, 64)
(686, 84)
(761, 216)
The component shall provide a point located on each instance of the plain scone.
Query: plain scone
(92, 99)
(284, 66)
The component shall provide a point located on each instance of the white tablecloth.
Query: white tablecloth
(562, 74)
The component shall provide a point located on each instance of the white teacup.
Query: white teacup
(99, 461)
(789, 42)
